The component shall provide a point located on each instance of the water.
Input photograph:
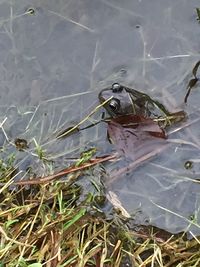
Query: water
(54, 62)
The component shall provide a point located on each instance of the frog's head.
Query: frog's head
(124, 100)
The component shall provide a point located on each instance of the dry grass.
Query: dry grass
(50, 222)
(53, 225)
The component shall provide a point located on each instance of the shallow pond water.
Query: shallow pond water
(56, 56)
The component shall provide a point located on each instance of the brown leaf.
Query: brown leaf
(134, 136)
(141, 124)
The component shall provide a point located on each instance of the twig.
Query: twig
(83, 120)
(49, 178)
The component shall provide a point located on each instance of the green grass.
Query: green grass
(46, 221)
(53, 225)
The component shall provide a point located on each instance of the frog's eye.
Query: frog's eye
(114, 104)
(117, 88)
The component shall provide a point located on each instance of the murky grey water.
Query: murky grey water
(53, 64)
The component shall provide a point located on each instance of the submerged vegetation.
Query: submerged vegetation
(52, 221)
(193, 82)
(53, 225)
(198, 13)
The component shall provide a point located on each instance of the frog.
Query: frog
(125, 100)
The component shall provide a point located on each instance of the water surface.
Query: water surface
(54, 62)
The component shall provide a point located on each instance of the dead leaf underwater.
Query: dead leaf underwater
(134, 135)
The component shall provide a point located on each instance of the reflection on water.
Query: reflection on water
(54, 62)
